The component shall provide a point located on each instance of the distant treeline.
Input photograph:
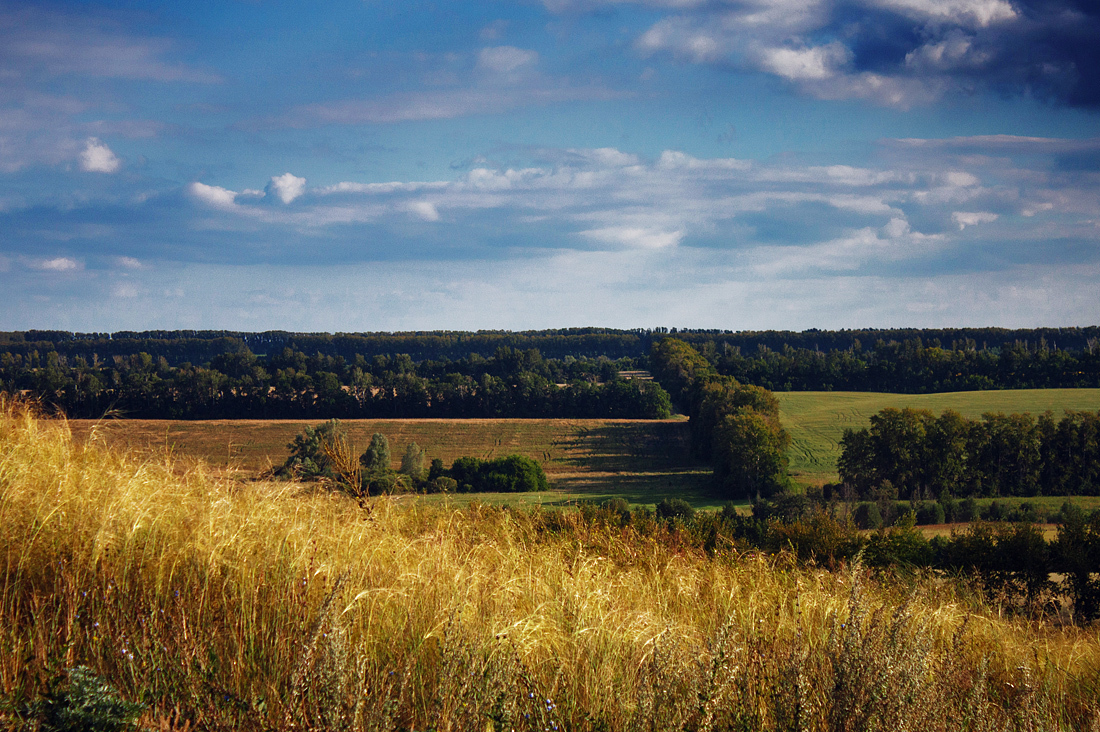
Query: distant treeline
(239, 384)
(915, 366)
(895, 360)
(913, 454)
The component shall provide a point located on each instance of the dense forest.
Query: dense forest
(902, 360)
(290, 384)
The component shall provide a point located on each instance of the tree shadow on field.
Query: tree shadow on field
(626, 447)
(694, 486)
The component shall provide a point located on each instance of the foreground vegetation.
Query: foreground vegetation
(221, 605)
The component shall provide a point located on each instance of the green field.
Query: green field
(816, 420)
(585, 459)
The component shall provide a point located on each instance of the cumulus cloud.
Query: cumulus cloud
(698, 235)
(805, 64)
(424, 210)
(286, 186)
(895, 52)
(98, 158)
(215, 196)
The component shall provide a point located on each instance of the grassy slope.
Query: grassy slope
(585, 459)
(817, 420)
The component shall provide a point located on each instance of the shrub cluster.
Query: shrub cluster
(323, 452)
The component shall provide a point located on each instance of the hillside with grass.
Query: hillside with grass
(816, 420)
(184, 599)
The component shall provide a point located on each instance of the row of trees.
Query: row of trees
(913, 366)
(912, 453)
(735, 426)
(200, 346)
(292, 385)
(324, 453)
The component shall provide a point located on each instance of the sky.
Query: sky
(372, 165)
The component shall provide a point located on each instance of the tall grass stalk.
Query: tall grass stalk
(229, 605)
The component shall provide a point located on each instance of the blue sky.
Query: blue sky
(370, 165)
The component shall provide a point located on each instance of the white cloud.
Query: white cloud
(805, 64)
(636, 238)
(424, 210)
(972, 218)
(973, 13)
(505, 59)
(57, 264)
(98, 158)
(828, 218)
(128, 263)
(125, 290)
(215, 196)
(287, 187)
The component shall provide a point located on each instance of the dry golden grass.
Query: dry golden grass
(263, 606)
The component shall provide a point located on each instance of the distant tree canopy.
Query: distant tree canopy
(291, 384)
(735, 426)
(920, 455)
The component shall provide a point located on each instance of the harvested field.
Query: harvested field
(641, 461)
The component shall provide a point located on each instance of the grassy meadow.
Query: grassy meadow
(817, 420)
(220, 604)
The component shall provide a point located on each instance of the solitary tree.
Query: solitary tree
(376, 458)
(412, 463)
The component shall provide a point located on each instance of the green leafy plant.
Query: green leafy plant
(83, 702)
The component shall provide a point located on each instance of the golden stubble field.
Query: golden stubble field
(585, 459)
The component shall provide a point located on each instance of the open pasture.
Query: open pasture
(816, 420)
(585, 459)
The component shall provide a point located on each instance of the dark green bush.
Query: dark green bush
(930, 513)
(511, 474)
(669, 508)
(867, 516)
